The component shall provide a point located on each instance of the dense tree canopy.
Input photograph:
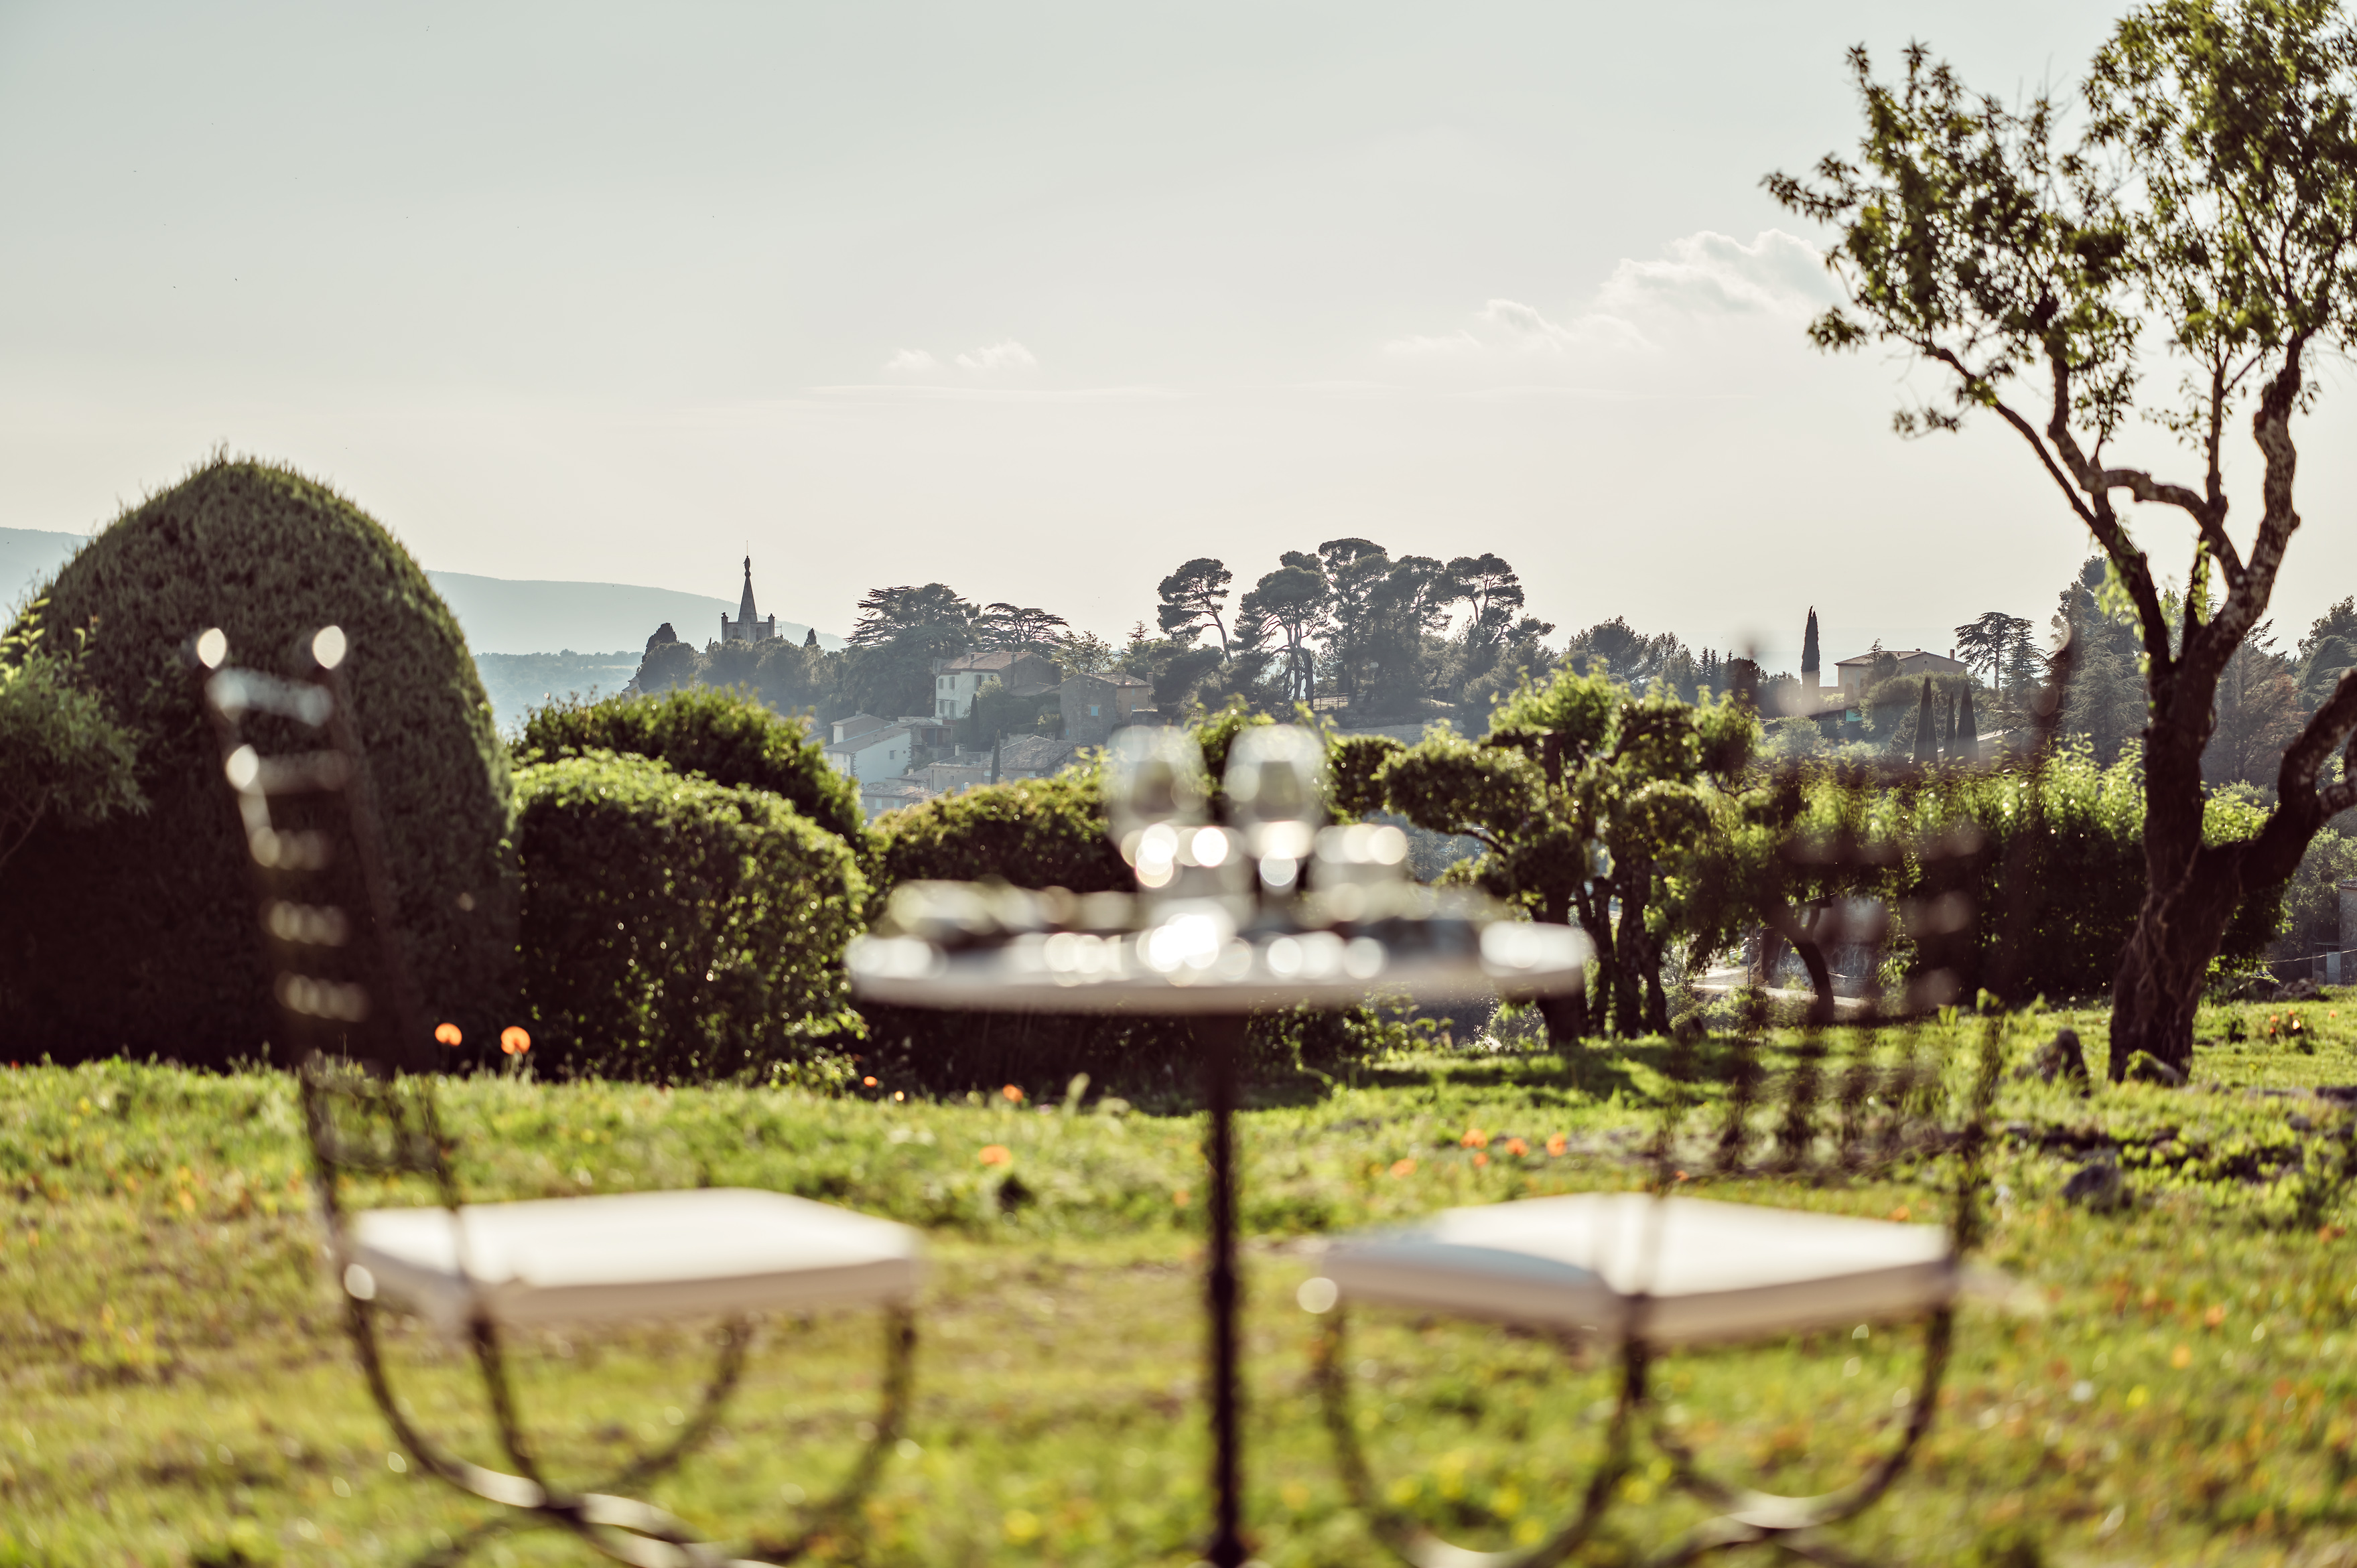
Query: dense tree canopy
(2184, 263)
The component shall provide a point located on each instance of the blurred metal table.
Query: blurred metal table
(1187, 959)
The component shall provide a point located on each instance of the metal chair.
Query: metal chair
(479, 1270)
(1648, 1271)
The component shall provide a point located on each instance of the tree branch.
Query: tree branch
(2102, 521)
(2327, 729)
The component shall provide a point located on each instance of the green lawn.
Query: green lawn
(2170, 1383)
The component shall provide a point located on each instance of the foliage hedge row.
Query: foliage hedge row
(674, 929)
(2080, 830)
(139, 938)
(1053, 832)
(727, 738)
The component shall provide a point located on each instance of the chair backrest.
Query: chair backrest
(293, 763)
(1864, 1088)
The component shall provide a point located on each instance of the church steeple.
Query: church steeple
(748, 627)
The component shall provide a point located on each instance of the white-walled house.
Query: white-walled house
(881, 752)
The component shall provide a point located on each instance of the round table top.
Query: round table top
(1174, 968)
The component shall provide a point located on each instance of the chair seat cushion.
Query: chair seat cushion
(631, 1255)
(1670, 1269)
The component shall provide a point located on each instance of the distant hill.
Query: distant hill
(518, 683)
(500, 614)
(30, 556)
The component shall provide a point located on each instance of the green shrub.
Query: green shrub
(139, 937)
(2312, 898)
(729, 739)
(1051, 833)
(1035, 833)
(678, 930)
(2082, 866)
(63, 757)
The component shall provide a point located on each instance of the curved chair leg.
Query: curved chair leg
(1418, 1546)
(891, 1418)
(1750, 1518)
(648, 1535)
(736, 1339)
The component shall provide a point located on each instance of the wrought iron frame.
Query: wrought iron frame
(400, 1133)
(1747, 1516)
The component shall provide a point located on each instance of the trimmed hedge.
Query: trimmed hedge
(1035, 833)
(139, 938)
(677, 930)
(1053, 832)
(728, 737)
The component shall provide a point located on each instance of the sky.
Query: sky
(1037, 300)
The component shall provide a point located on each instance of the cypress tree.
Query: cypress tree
(1968, 729)
(1927, 728)
(1808, 660)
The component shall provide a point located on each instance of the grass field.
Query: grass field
(2169, 1382)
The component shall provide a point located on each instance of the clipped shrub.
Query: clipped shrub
(139, 936)
(2082, 866)
(677, 930)
(1053, 832)
(1034, 832)
(729, 739)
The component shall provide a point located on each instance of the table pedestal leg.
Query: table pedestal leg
(1223, 1040)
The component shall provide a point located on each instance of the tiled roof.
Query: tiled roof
(1035, 753)
(996, 658)
(867, 739)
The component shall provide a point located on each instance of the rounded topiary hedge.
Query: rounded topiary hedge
(140, 937)
(676, 929)
(729, 739)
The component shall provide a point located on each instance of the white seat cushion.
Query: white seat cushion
(631, 1255)
(1671, 1270)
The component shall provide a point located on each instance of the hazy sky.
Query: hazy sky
(1038, 300)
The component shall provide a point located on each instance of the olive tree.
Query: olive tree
(2179, 254)
(1593, 803)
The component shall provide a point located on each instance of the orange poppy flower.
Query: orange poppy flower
(1013, 1094)
(1557, 1144)
(513, 1041)
(448, 1033)
(1403, 1167)
(996, 1155)
(1516, 1147)
(1474, 1139)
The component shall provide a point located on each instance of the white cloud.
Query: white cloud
(1702, 274)
(1510, 325)
(912, 360)
(1008, 355)
(1706, 273)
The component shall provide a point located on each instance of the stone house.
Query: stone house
(878, 796)
(954, 778)
(956, 680)
(1096, 705)
(1856, 673)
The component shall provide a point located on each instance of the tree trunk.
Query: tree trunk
(1628, 981)
(1567, 1016)
(2193, 891)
